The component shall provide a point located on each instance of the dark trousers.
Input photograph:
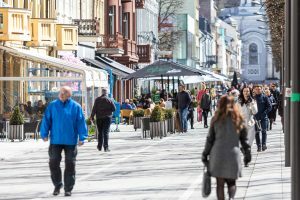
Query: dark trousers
(191, 118)
(264, 126)
(55, 151)
(103, 125)
(205, 115)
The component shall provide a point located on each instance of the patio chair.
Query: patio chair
(30, 129)
(127, 114)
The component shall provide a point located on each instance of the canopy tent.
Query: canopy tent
(198, 79)
(162, 68)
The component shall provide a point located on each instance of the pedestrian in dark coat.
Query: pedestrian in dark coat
(222, 151)
(103, 109)
(183, 100)
(264, 106)
(205, 105)
(272, 113)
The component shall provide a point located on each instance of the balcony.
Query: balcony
(140, 4)
(144, 53)
(67, 37)
(111, 44)
(43, 33)
(129, 47)
(88, 30)
(212, 60)
(14, 24)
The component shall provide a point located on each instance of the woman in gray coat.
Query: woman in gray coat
(226, 132)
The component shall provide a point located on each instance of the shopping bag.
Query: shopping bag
(206, 183)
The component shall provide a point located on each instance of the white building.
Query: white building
(257, 65)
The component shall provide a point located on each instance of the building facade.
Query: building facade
(257, 62)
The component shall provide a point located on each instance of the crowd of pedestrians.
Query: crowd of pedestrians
(241, 115)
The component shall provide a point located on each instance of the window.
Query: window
(126, 25)
(253, 54)
(1, 21)
(112, 11)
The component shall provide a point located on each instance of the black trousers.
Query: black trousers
(103, 125)
(205, 115)
(191, 117)
(55, 151)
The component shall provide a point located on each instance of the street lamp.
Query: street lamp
(262, 20)
(262, 27)
(256, 2)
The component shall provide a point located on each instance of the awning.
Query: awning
(106, 63)
(90, 73)
(198, 79)
(165, 68)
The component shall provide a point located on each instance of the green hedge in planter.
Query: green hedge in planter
(16, 117)
(169, 113)
(138, 113)
(157, 114)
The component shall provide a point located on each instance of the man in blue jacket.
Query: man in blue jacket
(264, 106)
(64, 123)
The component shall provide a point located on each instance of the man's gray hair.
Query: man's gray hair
(66, 89)
(104, 91)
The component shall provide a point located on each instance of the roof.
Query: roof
(107, 63)
(165, 68)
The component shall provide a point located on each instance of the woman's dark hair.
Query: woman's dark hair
(232, 110)
(242, 99)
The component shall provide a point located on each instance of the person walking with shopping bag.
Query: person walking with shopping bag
(248, 108)
(64, 123)
(222, 149)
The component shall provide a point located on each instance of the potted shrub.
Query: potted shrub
(157, 125)
(169, 116)
(16, 125)
(137, 117)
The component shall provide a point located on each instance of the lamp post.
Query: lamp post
(295, 100)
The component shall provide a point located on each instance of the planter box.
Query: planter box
(145, 125)
(157, 129)
(137, 122)
(170, 125)
(16, 132)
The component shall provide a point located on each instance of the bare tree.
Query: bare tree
(168, 32)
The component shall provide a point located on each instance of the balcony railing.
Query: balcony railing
(140, 3)
(67, 37)
(111, 41)
(14, 24)
(144, 53)
(43, 32)
(212, 60)
(88, 27)
(129, 47)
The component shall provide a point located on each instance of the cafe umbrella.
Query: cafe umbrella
(163, 68)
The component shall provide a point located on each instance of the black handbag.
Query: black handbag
(206, 183)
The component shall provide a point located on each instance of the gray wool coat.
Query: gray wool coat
(223, 149)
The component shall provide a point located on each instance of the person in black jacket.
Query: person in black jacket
(183, 100)
(272, 113)
(264, 106)
(103, 109)
(205, 105)
(275, 92)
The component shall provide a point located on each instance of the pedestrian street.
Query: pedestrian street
(137, 169)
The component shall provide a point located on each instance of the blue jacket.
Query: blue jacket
(65, 122)
(264, 106)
